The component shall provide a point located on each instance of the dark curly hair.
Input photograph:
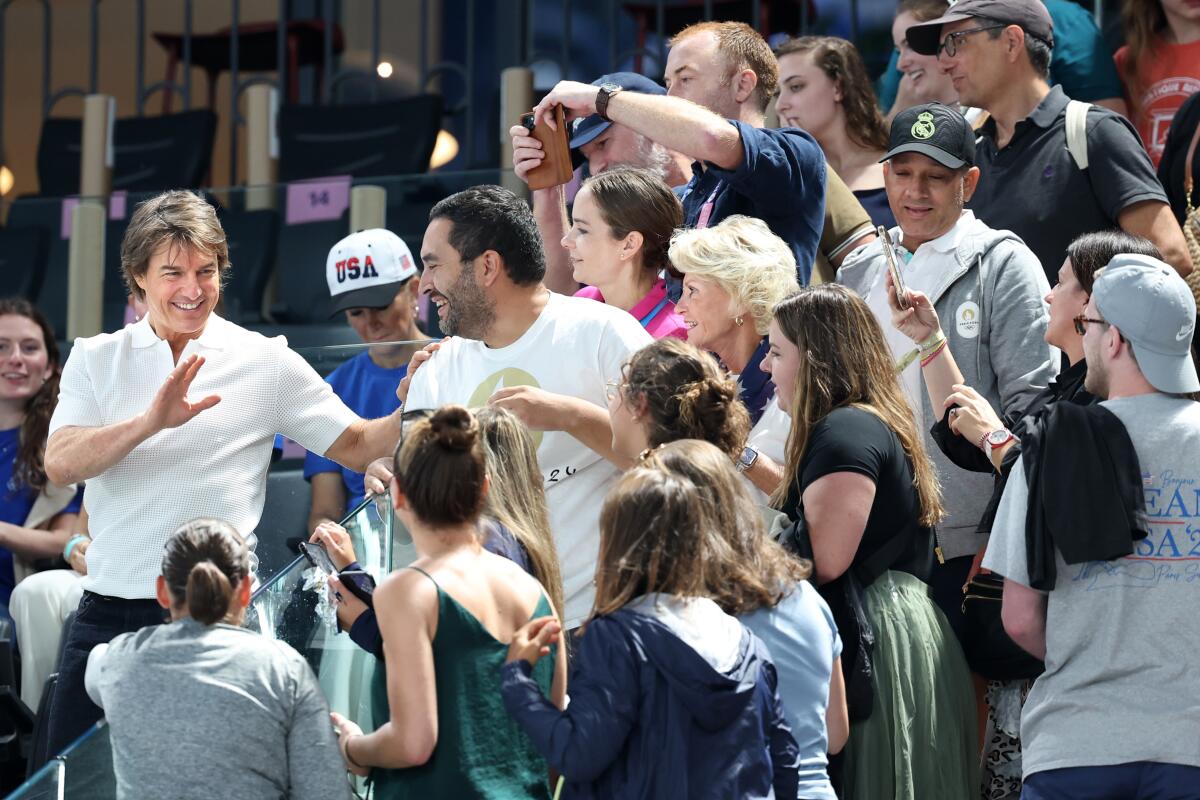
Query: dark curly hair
(493, 218)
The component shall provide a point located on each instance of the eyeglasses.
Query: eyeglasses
(612, 388)
(1082, 321)
(952, 40)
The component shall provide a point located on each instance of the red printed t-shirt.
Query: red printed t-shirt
(1169, 77)
(654, 311)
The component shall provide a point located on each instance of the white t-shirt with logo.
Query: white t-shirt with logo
(574, 348)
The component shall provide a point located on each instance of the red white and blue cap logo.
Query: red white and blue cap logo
(367, 269)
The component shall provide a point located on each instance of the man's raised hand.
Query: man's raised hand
(171, 406)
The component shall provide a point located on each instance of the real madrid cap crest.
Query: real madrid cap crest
(367, 269)
(933, 130)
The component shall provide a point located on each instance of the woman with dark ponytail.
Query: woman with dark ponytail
(204, 703)
(447, 621)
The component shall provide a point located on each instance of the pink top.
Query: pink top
(654, 311)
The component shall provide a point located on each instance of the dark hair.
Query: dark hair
(755, 571)
(655, 536)
(204, 562)
(743, 48)
(687, 396)
(1143, 22)
(1091, 252)
(441, 467)
(180, 217)
(29, 465)
(486, 218)
(1038, 51)
(923, 10)
(638, 200)
(842, 64)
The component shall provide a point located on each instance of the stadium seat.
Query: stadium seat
(301, 293)
(46, 216)
(392, 138)
(150, 153)
(252, 246)
(23, 255)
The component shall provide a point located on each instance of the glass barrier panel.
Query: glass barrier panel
(45, 784)
(89, 766)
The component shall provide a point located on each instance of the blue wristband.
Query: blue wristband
(70, 545)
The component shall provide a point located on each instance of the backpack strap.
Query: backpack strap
(1077, 132)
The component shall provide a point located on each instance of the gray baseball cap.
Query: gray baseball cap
(1155, 311)
(1030, 16)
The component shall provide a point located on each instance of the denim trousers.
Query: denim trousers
(98, 620)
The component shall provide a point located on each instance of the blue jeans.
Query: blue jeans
(99, 620)
(1139, 780)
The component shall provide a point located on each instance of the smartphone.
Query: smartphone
(317, 556)
(889, 252)
(556, 168)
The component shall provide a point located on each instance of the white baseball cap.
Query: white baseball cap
(367, 269)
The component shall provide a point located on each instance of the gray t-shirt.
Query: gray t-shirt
(201, 711)
(1122, 679)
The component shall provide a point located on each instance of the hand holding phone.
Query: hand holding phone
(555, 169)
(889, 253)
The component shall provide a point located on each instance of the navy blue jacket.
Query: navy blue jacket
(650, 718)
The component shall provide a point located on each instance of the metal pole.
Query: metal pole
(470, 104)
(140, 57)
(854, 20)
(422, 49)
(94, 46)
(281, 50)
(612, 35)
(376, 27)
(327, 67)
(756, 14)
(234, 46)
(187, 55)
(47, 28)
(660, 23)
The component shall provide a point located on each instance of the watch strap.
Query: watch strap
(607, 90)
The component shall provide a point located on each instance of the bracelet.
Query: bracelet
(933, 342)
(346, 752)
(927, 360)
(69, 547)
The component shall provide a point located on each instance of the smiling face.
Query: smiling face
(924, 73)
(698, 71)
(392, 323)
(595, 254)
(463, 307)
(24, 363)
(926, 197)
(783, 363)
(706, 309)
(808, 99)
(181, 288)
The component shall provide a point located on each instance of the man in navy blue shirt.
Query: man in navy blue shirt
(720, 77)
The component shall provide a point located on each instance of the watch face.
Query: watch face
(610, 87)
(999, 437)
(747, 457)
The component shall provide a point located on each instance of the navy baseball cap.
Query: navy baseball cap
(934, 130)
(585, 129)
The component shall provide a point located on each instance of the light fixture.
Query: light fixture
(6, 180)
(444, 149)
(384, 69)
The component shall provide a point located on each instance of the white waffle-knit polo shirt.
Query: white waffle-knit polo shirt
(215, 465)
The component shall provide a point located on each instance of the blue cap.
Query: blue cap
(585, 129)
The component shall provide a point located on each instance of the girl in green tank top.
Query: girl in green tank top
(446, 624)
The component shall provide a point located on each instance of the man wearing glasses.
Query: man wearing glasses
(997, 52)
(1114, 714)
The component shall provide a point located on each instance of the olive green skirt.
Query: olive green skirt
(921, 741)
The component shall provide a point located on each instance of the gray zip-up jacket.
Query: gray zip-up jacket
(991, 302)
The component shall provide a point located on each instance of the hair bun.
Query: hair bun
(454, 428)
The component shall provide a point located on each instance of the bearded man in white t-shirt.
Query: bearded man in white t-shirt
(173, 418)
(545, 357)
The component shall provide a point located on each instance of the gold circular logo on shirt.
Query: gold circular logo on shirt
(923, 128)
(505, 378)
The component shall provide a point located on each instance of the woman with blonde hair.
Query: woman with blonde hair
(733, 275)
(767, 589)
(517, 497)
(824, 88)
(670, 695)
(865, 499)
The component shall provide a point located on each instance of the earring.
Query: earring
(738, 320)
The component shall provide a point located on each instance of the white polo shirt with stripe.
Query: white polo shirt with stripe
(215, 465)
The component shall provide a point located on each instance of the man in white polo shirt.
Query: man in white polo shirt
(128, 422)
(543, 356)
